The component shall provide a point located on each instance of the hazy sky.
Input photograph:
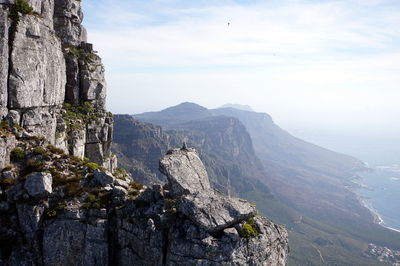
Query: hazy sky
(326, 63)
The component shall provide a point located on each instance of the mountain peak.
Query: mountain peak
(187, 106)
(180, 113)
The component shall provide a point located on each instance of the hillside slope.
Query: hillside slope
(311, 182)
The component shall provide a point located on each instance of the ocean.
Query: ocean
(381, 193)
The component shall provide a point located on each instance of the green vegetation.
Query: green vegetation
(120, 173)
(7, 182)
(78, 116)
(39, 150)
(92, 166)
(171, 202)
(133, 193)
(80, 53)
(20, 7)
(136, 185)
(4, 125)
(33, 166)
(23, 7)
(249, 229)
(97, 200)
(17, 154)
(53, 211)
(55, 150)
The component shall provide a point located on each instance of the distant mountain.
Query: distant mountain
(308, 188)
(175, 115)
(238, 106)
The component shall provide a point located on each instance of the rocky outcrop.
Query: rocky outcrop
(189, 181)
(52, 81)
(185, 172)
(86, 216)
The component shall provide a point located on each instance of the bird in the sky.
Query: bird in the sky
(229, 23)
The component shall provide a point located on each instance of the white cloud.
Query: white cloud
(332, 61)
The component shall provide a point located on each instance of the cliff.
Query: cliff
(63, 201)
(52, 81)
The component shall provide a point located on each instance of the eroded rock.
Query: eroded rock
(37, 76)
(185, 172)
(39, 184)
(215, 212)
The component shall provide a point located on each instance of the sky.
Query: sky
(327, 64)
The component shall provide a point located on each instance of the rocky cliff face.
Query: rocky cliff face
(59, 202)
(52, 83)
(103, 220)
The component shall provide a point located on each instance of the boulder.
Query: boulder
(39, 184)
(185, 172)
(103, 178)
(215, 212)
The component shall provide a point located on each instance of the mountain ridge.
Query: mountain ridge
(315, 181)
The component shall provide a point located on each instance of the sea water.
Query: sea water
(381, 193)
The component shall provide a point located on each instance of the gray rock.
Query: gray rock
(78, 138)
(185, 172)
(97, 131)
(37, 76)
(119, 193)
(215, 212)
(30, 217)
(93, 83)
(103, 178)
(121, 183)
(232, 233)
(4, 27)
(265, 249)
(94, 151)
(111, 163)
(68, 242)
(72, 88)
(41, 121)
(7, 144)
(13, 117)
(68, 17)
(39, 184)
(9, 174)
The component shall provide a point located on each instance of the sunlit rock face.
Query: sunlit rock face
(52, 82)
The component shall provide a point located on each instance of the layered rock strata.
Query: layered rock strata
(52, 82)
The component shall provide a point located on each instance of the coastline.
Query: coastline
(359, 185)
(377, 217)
